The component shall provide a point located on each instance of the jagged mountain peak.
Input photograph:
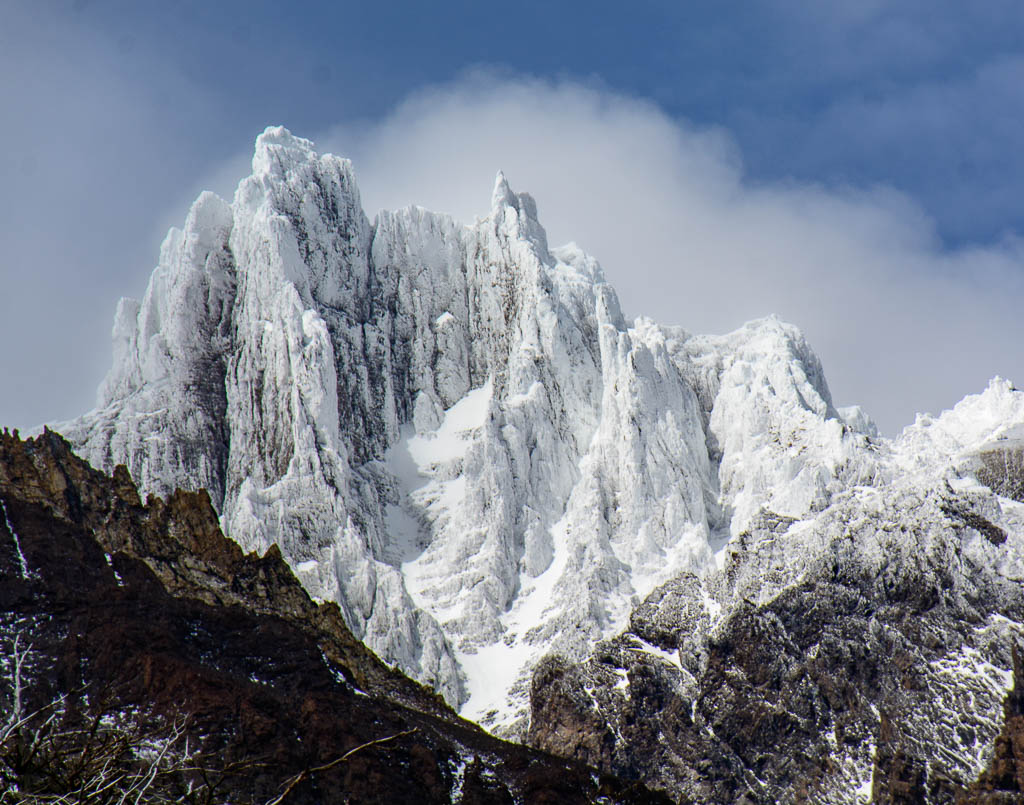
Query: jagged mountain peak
(451, 430)
(280, 135)
(207, 225)
(514, 216)
(502, 194)
(277, 149)
(423, 415)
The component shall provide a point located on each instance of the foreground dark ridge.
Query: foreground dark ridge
(144, 652)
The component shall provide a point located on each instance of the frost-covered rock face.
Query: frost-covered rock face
(452, 430)
(861, 650)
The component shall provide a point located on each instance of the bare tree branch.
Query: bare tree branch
(302, 775)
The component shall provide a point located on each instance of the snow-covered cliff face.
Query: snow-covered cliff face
(452, 430)
(857, 652)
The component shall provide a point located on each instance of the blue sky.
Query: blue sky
(882, 137)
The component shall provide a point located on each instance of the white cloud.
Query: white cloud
(901, 324)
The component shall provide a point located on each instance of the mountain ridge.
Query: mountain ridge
(453, 432)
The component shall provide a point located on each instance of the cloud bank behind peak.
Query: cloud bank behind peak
(902, 323)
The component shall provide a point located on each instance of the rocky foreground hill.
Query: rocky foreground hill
(146, 658)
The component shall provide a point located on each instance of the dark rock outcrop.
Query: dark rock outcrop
(1002, 783)
(1002, 469)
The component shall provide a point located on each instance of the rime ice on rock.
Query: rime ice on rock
(452, 430)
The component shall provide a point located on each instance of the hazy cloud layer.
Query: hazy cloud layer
(90, 153)
(901, 324)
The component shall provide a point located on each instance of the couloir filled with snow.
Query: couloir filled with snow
(454, 432)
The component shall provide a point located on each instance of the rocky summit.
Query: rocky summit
(668, 555)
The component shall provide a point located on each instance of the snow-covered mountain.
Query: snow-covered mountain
(863, 652)
(454, 432)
